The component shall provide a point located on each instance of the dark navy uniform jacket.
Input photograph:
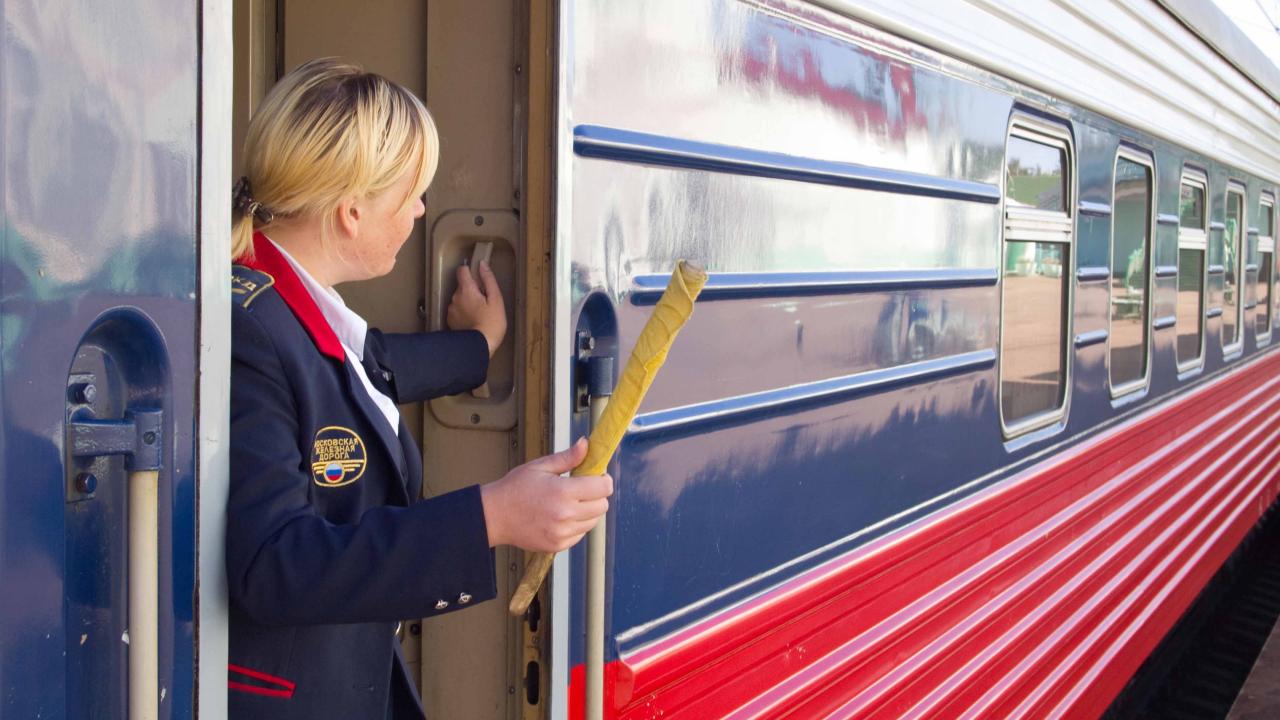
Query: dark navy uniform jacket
(327, 544)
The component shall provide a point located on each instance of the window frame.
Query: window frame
(1194, 239)
(1020, 224)
(1142, 157)
(1266, 244)
(1231, 351)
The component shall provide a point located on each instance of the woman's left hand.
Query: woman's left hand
(474, 309)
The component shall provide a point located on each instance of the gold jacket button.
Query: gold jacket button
(442, 604)
(464, 598)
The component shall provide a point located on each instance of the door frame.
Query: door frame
(213, 399)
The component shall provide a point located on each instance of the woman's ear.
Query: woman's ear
(348, 217)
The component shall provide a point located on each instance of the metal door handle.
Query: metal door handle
(138, 437)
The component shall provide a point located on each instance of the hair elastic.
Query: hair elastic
(242, 200)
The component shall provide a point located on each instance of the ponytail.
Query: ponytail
(241, 237)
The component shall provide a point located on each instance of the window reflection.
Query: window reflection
(1230, 263)
(1033, 175)
(1191, 207)
(1263, 317)
(1131, 232)
(1032, 360)
(1190, 309)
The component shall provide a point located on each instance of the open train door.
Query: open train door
(101, 288)
(633, 83)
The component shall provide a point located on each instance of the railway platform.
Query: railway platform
(1259, 697)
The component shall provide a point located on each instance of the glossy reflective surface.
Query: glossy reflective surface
(806, 408)
(1231, 261)
(1033, 357)
(1191, 207)
(98, 159)
(1035, 175)
(1130, 253)
(1262, 292)
(1190, 304)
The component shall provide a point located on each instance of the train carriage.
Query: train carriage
(979, 396)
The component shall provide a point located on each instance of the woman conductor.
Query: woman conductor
(328, 545)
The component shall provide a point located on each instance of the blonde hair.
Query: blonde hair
(326, 132)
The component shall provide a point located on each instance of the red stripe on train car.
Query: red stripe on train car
(1037, 597)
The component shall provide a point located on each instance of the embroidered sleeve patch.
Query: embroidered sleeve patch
(337, 457)
(247, 284)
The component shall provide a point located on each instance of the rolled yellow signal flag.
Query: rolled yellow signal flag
(650, 352)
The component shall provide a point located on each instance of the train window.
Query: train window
(1232, 244)
(1131, 225)
(1035, 277)
(1191, 205)
(1034, 175)
(1266, 266)
(1192, 234)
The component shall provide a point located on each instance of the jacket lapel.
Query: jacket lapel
(378, 421)
(287, 283)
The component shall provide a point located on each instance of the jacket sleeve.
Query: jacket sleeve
(433, 364)
(287, 565)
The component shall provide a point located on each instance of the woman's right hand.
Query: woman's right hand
(534, 508)
(474, 308)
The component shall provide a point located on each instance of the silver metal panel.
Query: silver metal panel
(1129, 60)
(1208, 21)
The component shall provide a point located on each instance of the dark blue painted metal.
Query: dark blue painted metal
(1167, 321)
(637, 147)
(1093, 337)
(1093, 274)
(1216, 269)
(648, 288)
(1251, 267)
(1164, 271)
(725, 412)
(1213, 312)
(98, 161)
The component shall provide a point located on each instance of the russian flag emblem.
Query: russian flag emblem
(333, 472)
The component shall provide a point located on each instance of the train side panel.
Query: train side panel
(817, 511)
(98, 281)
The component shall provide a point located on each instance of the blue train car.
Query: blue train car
(102, 108)
(980, 394)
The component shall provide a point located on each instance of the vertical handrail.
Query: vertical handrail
(596, 553)
(144, 595)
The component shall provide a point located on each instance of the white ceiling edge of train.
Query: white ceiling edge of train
(1131, 61)
(1241, 31)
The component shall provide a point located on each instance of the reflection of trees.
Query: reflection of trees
(156, 265)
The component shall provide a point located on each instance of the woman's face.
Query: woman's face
(385, 221)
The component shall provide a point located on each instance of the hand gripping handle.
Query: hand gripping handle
(650, 351)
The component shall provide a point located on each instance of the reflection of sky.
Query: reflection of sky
(866, 89)
(729, 73)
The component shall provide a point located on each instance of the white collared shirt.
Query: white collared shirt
(351, 330)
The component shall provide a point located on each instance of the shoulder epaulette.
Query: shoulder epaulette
(247, 284)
